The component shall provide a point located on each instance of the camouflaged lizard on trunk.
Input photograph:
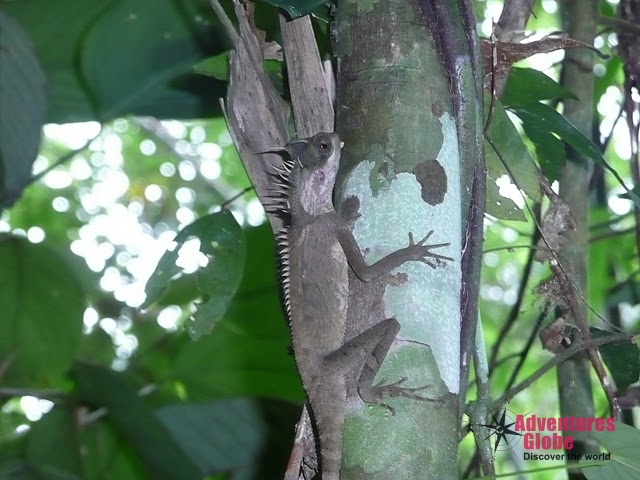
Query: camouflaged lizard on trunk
(316, 251)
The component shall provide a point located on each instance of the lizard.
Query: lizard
(316, 249)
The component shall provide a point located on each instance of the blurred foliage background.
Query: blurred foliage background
(134, 150)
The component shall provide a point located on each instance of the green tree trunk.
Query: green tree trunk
(574, 381)
(403, 171)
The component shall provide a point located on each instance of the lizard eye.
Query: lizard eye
(324, 146)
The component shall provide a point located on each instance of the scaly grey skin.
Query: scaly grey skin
(316, 251)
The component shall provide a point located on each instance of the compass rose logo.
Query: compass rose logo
(500, 432)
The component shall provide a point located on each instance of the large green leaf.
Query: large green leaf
(624, 446)
(506, 154)
(550, 150)
(527, 85)
(248, 353)
(12, 455)
(222, 241)
(106, 456)
(59, 428)
(234, 435)
(23, 104)
(622, 360)
(101, 387)
(42, 307)
(542, 116)
(105, 58)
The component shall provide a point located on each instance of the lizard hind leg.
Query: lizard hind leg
(365, 354)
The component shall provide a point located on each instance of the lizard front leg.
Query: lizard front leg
(417, 252)
(366, 352)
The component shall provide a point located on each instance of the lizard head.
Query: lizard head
(316, 165)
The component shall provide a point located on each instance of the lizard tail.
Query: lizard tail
(330, 454)
(329, 420)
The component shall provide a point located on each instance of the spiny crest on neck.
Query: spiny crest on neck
(279, 195)
(306, 176)
(305, 180)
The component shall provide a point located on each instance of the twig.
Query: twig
(235, 197)
(515, 309)
(229, 29)
(557, 360)
(64, 158)
(560, 273)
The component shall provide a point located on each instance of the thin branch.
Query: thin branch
(557, 360)
(515, 309)
(563, 276)
(63, 159)
(229, 29)
(235, 197)
(619, 23)
(527, 348)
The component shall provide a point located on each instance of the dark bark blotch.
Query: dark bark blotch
(433, 181)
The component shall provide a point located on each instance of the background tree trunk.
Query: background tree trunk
(574, 380)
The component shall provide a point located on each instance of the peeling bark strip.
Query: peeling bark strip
(256, 115)
(312, 109)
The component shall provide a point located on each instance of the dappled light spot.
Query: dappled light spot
(147, 147)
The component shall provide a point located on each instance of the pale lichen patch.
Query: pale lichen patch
(433, 295)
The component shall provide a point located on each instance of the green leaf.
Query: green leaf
(234, 435)
(622, 360)
(528, 85)
(216, 67)
(248, 353)
(550, 150)
(506, 154)
(629, 196)
(297, 8)
(222, 242)
(625, 292)
(101, 387)
(542, 116)
(499, 206)
(624, 445)
(58, 427)
(23, 104)
(42, 307)
(12, 455)
(105, 59)
(107, 456)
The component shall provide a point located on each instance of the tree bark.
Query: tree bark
(403, 172)
(574, 381)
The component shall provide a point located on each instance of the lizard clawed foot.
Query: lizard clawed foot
(424, 253)
(396, 390)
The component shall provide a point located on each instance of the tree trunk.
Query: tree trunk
(406, 169)
(574, 381)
